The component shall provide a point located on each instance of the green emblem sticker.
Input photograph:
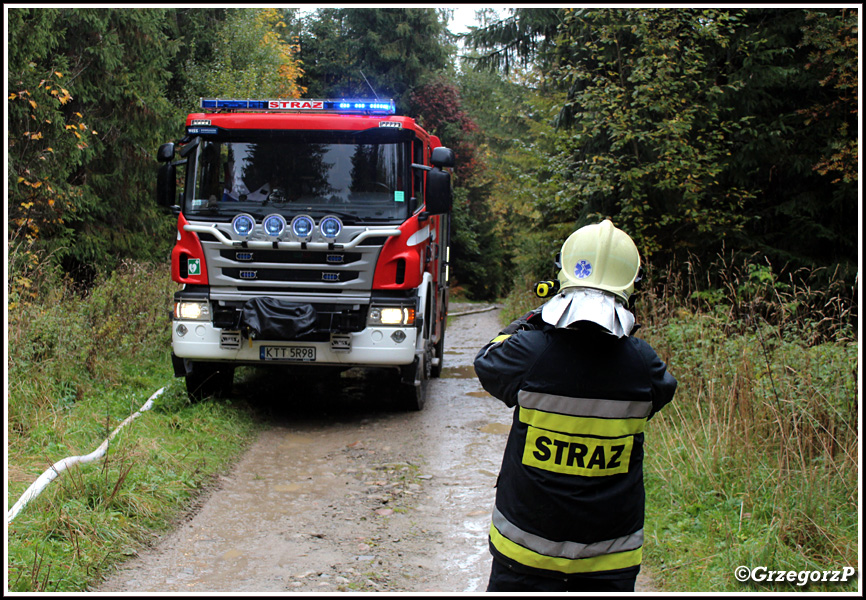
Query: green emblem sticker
(193, 266)
(398, 196)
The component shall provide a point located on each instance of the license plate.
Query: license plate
(290, 353)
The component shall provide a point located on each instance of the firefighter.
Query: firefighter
(569, 506)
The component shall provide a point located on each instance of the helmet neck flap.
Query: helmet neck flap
(575, 305)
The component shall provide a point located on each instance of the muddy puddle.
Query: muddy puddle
(461, 372)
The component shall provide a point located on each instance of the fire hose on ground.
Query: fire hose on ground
(54, 471)
(51, 474)
(474, 311)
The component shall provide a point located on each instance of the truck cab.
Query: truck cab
(311, 234)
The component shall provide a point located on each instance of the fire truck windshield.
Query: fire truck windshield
(360, 178)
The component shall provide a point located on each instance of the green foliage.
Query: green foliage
(197, 30)
(814, 307)
(833, 43)
(695, 129)
(518, 40)
(651, 133)
(475, 250)
(47, 140)
(248, 58)
(345, 51)
(92, 82)
(800, 215)
(515, 139)
(754, 462)
(64, 333)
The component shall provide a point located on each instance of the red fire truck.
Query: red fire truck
(311, 235)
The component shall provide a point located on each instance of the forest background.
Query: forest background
(725, 141)
(697, 131)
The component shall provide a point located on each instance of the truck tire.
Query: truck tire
(439, 349)
(412, 391)
(204, 380)
(439, 355)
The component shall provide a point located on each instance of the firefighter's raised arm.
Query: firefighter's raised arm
(503, 362)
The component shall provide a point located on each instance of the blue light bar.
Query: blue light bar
(379, 107)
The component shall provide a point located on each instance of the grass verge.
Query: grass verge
(79, 364)
(755, 462)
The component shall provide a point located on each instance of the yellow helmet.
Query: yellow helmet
(602, 257)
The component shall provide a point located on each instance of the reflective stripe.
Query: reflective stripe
(607, 562)
(619, 555)
(584, 416)
(585, 407)
(570, 550)
(581, 425)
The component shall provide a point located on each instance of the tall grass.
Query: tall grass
(79, 362)
(755, 462)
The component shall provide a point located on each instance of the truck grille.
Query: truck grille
(298, 271)
(289, 276)
(290, 257)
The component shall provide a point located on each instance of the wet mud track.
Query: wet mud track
(346, 492)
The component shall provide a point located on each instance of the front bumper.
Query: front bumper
(372, 347)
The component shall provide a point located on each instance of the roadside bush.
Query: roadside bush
(63, 340)
(129, 310)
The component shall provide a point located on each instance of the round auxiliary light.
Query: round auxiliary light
(330, 227)
(302, 227)
(243, 225)
(274, 225)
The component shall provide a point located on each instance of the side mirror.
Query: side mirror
(166, 184)
(437, 198)
(442, 157)
(165, 153)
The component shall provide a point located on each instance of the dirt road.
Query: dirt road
(344, 492)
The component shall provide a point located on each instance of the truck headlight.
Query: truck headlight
(243, 225)
(192, 311)
(302, 227)
(274, 225)
(391, 315)
(330, 227)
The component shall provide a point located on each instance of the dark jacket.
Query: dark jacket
(570, 495)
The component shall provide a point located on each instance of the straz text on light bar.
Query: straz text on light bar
(344, 106)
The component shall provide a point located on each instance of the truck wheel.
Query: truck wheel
(412, 390)
(439, 356)
(205, 380)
